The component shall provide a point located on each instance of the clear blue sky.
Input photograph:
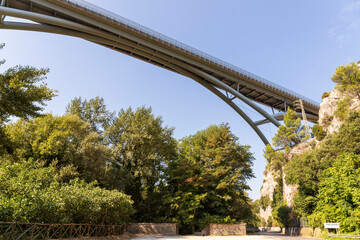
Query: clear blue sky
(297, 44)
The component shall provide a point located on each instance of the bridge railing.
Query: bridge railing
(37, 231)
(184, 47)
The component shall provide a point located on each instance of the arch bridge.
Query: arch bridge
(84, 20)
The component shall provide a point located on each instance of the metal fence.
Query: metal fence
(37, 231)
(299, 222)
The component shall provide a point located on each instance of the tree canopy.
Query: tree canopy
(339, 194)
(290, 132)
(23, 92)
(209, 177)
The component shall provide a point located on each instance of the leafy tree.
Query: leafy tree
(142, 147)
(67, 139)
(305, 169)
(275, 159)
(32, 192)
(281, 214)
(265, 202)
(209, 178)
(93, 111)
(339, 194)
(23, 92)
(291, 132)
(342, 108)
(278, 191)
(348, 78)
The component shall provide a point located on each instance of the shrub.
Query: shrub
(342, 109)
(264, 202)
(325, 95)
(30, 192)
(318, 132)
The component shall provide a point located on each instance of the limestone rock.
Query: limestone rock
(328, 106)
(267, 189)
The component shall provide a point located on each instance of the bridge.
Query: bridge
(78, 18)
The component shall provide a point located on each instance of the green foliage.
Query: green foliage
(264, 202)
(339, 194)
(142, 147)
(318, 132)
(281, 214)
(275, 159)
(291, 132)
(93, 111)
(209, 177)
(256, 206)
(342, 108)
(207, 218)
(278, 191)
(348, 78)
(305, 169)
(327, 120)
(31, 192)
(325, 95)
(68, 139)
(23, 92)
(269, 221)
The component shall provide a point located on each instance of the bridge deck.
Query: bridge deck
(253, 87)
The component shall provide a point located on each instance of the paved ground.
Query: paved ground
(261, 236)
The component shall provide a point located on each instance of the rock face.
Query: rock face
(267, 189)
(289, 190)
(330, 123)
(328, 106)
(326, 113)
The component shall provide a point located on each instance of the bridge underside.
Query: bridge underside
(83, 20)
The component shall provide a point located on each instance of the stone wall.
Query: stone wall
(304, 232)
(225, 229)
(152, 228)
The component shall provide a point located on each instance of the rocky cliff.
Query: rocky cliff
(330, 122)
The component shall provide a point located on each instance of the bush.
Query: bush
(342, 109)
(30, 192)
(281, 214)
(325, 95)
(264, 202)
(318, 132)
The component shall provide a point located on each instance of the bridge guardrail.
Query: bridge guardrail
(184, 47)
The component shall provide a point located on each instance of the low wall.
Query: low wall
(152, 228)
(304, 232)
(225, 229)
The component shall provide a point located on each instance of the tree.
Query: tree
(66, 139)
(339, 194)
(209, 178)
(281, 214)
(275, 159)
(347, 78)
(93, 111)
(291, 132)
(23, 92)
(305, 169)
(142, 147)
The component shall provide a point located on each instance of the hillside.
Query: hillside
(295, 177)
